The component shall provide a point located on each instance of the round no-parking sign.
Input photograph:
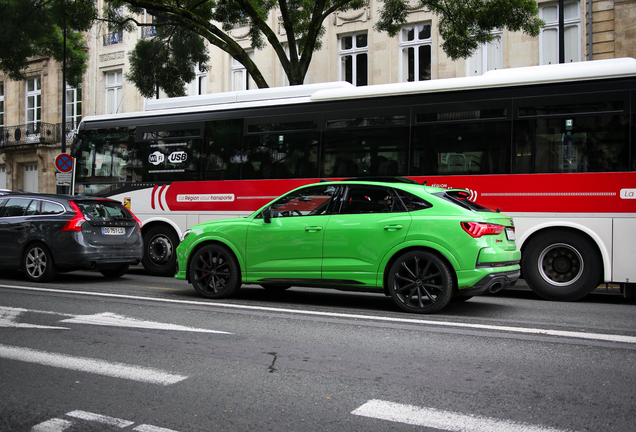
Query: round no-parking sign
(64, 163)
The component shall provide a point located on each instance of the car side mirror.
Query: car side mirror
(267, 215)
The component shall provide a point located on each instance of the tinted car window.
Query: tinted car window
(51, 208)
(103, 211)
(15, 207)
(461, 198)
(309, 201)
(413, 202)
(368, 199)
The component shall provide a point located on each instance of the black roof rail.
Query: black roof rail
(387, 179)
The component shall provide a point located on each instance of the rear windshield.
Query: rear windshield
(461, 198)
(104, 211)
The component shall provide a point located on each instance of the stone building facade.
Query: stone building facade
(351, 51)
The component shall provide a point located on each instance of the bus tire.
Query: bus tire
(160, 254)
(563, 266)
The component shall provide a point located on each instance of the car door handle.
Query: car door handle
(393, 227)
(313, 228)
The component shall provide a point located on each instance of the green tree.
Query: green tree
(167, 61)
(32, 28)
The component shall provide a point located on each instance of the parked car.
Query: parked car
(43, 234)
(421, 245)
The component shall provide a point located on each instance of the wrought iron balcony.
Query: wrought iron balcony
(113, 38)
(148, 32)
(34, 133)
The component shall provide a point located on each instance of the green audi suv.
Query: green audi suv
(420, 245)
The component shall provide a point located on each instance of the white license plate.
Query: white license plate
(510, 234)
(113, 231)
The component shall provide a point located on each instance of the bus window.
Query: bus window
(104, 160)
(365, 146)
(284, 155)
(166, 153)
(572, 142)
(461, 142)
(223, 150)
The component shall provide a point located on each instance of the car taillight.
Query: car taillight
(76, 222)
(136, 220)
(478, 229)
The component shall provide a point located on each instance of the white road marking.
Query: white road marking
(53, 425)
(150, 428)
(99, 367)
(524, 330)
(92, 417)
(114, 320)
(59, 425)
(444, 420)
(9, 317)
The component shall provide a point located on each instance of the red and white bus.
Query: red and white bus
(553, 146)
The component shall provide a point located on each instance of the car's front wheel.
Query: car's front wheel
(37, 263)
(214, 272)
(421, 282)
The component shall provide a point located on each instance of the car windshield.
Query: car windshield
(461, 198)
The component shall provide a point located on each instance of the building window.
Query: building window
(148, 31)
(33, 105)
(197, 87)
(354, 58)
(549, 37)
(114, 93)
(415, 47)
(1, 104)
(114, 36)
(240, 78)
(73, 107)
(488, 56)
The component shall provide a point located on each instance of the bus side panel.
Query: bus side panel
(624, 265)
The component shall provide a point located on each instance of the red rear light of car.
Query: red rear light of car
(136, 220)
(478, 229)
(76, 222)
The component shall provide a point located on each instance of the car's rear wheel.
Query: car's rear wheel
(38, 264)
(421, 282)
(214, 272)
(116, 272)
(561, 265)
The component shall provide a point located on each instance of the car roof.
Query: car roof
(401, 182)
(57, 196)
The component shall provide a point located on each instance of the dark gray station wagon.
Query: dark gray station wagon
(42, 235)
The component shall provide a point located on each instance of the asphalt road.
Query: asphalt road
(147, 354)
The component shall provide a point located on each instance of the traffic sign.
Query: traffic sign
(64, 163)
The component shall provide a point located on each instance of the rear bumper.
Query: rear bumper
(492, 283)
(97, 258)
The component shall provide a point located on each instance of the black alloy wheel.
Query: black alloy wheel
(421, 282)
(214, 272)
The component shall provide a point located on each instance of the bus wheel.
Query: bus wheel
(420, 282)
(214, 272)
(561, 265)
(160, 258)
